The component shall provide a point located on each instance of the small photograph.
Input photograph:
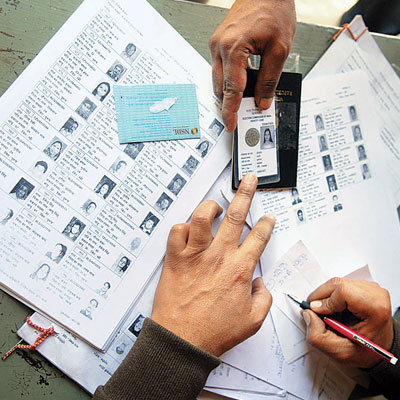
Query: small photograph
(55, 148)
(5, 215)
(121, 348)
(41, 273)
(337, 206)
(301, 219)
(103, 291)
(366, 174)
(149, 223)
(163, 203)
(137, 325)
(362, 155)
(86, 108)
(319, 123)
(356, 133)
(190, 165)
(91, 307)
(326, 161)
(267, 138)
(323, 144)
(101, 91)
(89, 207)
(39, 169)
(21, 190)
(74, 228)
(118, 167)
(122, 265)
(104, 187)
(135, 244)
(69, 127)
(116, 71)
(176, 185)
(57, 253)
(130, 53)
(133, 149)
(331, 180)
(203, 147)
(353, 113)
(295, 196)
(216, 128)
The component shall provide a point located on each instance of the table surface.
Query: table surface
(25, 28)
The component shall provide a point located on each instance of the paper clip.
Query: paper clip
(46, 332)
(346, 27)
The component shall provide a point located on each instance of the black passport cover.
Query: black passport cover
(287, 108)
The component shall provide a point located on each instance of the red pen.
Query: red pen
(350, 334)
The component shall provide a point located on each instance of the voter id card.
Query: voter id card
(257, 141)
(265, 142)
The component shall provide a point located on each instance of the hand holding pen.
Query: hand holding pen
(368, 302)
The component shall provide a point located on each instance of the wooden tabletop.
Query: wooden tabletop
(25, 28)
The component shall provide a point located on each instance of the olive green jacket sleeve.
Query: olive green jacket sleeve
(160, 365)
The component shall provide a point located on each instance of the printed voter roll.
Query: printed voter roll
(257, 140)
(157, 112)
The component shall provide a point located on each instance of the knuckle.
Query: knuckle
(261, 235)
(230, 88)
(200, 218)
(213, 43)
(267, 84)
(242, 275)
(177, 229)
(280, 51)
(245, 190)
(336, 281)
(226, 45)
(235, 216)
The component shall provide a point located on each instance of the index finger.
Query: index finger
(272, 62)
(234, 82)
(231, 227)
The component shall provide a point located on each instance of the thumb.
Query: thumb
(261, 302)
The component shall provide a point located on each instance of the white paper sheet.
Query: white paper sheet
(345, 54)
(357, 227)
(69, 353)
(86, 230)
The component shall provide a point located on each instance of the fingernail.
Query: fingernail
(249, 178)
(265, 103)
(271, 217)
(316, 304)
(306, 318)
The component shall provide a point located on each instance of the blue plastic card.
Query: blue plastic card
(156, 112)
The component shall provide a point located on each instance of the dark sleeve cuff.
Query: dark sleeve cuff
(161, 365)
(386, 375)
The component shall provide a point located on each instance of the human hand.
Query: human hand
(206, 294)
(368, 302)
(264, 27)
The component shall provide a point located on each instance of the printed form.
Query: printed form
(341, 208)
(278, 378)
(85, 219)
(345, 55)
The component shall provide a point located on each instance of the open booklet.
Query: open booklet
(85, 220)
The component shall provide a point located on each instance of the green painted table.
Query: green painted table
(25, 27)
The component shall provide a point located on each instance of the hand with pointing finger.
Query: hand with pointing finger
(206, 294)
(264, 27)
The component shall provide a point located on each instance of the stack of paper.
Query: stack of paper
(344, 215)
